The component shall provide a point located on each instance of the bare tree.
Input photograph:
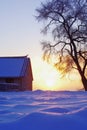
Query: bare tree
(67, 21)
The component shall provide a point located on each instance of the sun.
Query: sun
(51, 79)
(50, 83)
(46, 77)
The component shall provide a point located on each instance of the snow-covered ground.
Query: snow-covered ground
(43, 110)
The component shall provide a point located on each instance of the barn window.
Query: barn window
(9, 80)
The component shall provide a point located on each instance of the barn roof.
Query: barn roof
(13, 66)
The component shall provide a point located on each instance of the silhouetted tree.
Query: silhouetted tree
(67, 21)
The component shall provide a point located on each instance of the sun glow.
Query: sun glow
(47, 77)
(50, 83)
(50, 79)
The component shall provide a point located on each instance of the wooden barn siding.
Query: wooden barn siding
(27, 79)
(7, 87)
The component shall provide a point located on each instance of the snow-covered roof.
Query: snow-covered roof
(13, 66)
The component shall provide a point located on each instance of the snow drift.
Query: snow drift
(43, 110)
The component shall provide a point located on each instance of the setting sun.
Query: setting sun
(48, 78)
(50, 82)
(51, 78)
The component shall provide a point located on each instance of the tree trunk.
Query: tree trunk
(84, 81)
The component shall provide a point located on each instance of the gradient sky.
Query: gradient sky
(20, 35)
(19, 30)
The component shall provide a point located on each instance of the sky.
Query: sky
(20, 35)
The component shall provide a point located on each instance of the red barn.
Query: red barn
(15, 73)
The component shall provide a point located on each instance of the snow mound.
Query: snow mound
(43, 110)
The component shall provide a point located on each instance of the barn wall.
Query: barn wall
(6, 86)
(2, 80)
(27, 79)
